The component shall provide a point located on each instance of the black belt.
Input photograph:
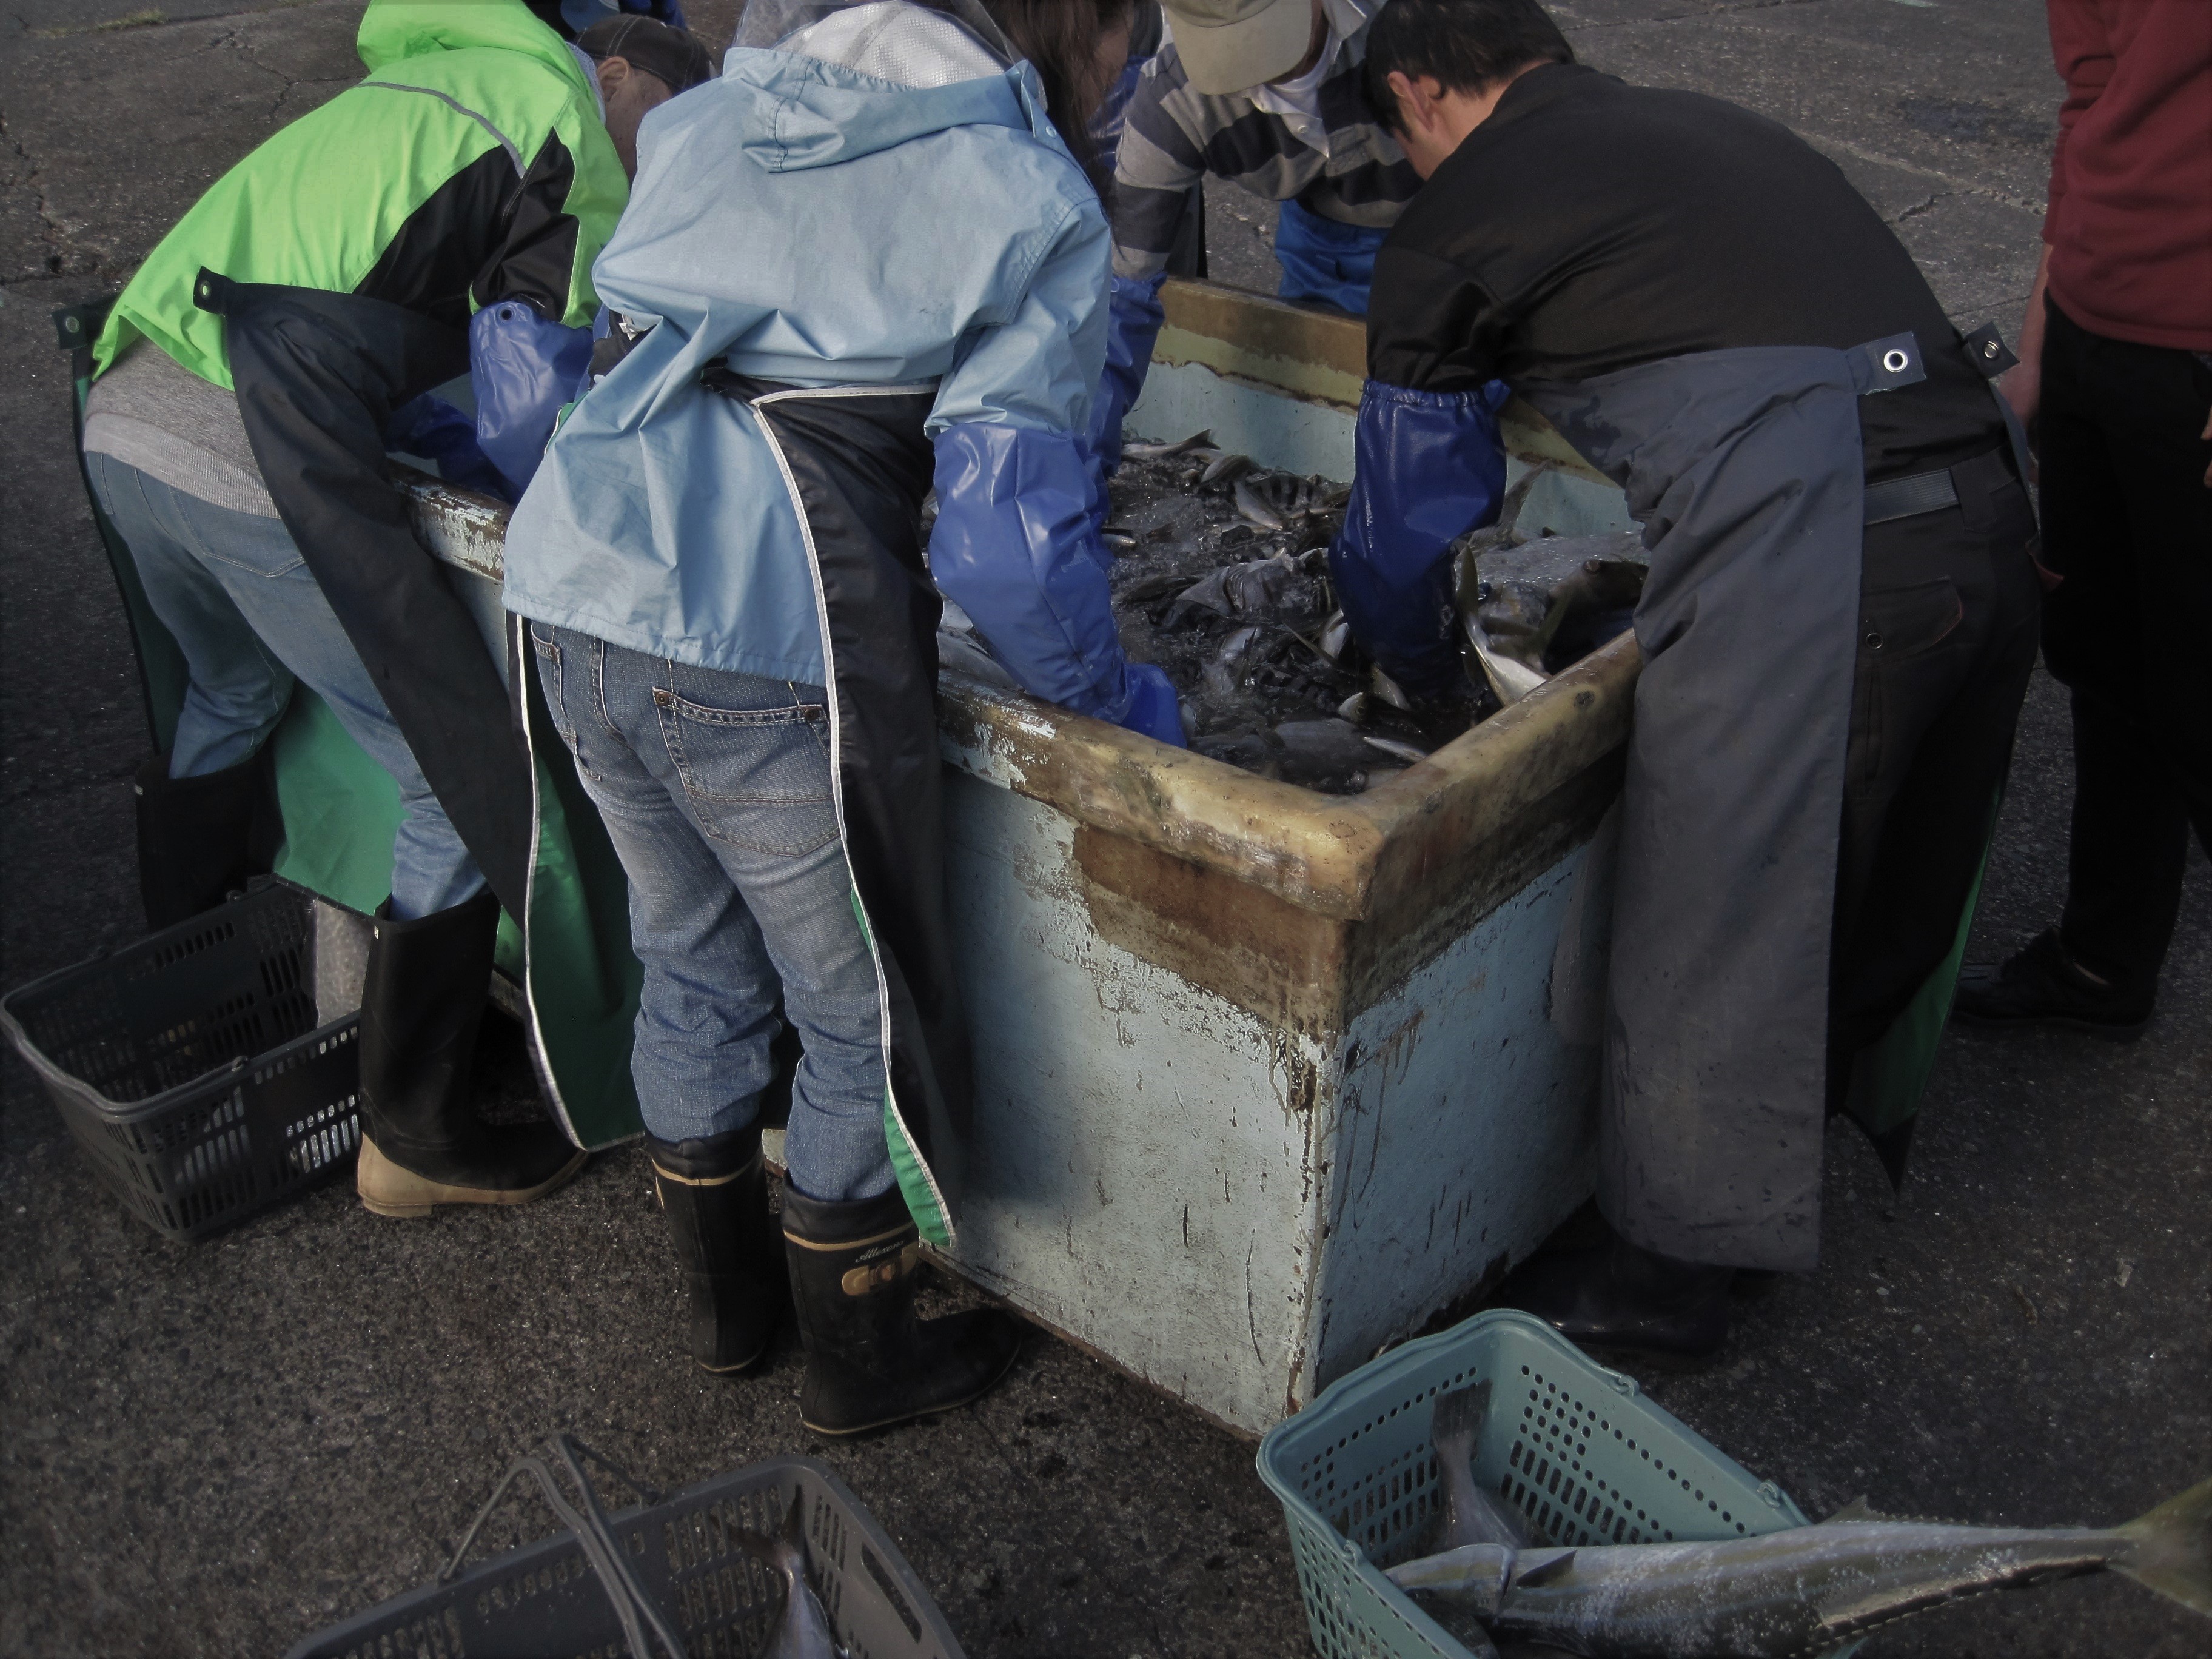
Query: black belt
(1931, 492)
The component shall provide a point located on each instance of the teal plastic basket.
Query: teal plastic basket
(1576, 1446)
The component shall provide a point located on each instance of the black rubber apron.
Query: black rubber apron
(318, 376)
(858, 465)
(1745, 468)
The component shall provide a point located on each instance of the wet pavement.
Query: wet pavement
(214, 1451)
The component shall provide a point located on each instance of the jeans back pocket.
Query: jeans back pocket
(755, 777)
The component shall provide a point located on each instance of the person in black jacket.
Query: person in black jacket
(1837, 629)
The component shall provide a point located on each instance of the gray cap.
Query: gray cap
(674, 56)
(1233, 46)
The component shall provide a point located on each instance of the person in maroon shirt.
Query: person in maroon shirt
(2115, 386)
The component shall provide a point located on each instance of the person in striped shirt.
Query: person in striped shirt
(1266, 95)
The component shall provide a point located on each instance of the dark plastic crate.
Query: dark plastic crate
(190, 1069)
(544, 1602)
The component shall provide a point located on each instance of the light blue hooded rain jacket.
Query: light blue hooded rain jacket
(819, 227)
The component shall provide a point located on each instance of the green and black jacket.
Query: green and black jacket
(471, 166)
(329, 279)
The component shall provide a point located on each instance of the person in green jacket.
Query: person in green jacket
(438, 219)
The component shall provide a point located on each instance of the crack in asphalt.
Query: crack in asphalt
(1957, 185)
(121, 26)
(55, 237)
(235, 39)
(62, 249)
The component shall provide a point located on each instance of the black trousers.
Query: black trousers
(2127, 524)
(1948, 614)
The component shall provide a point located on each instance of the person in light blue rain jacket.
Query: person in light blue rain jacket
(861, 263)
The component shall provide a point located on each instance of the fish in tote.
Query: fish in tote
(1801, 1590)
(802, 1628)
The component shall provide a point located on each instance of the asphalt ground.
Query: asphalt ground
(216, 1450)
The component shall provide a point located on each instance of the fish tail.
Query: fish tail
(2171, 1548)
(1458, 1421)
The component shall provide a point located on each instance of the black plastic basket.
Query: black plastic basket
(547, 1601)
(190, 1066)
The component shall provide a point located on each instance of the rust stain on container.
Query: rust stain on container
(1243, 943)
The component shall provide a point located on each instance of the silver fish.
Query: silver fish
(1398, 750)
(1118, 541)
(1251, 506)
(1223, 673)
(1227, 469)
(1287, 498)
(1161, 451)
(1509, 679)
(1335, 635)
(1803, 1590)
(1257, 587)
(1322, 754)
(1470, 1514)
(802, 1629)
(1515, 600)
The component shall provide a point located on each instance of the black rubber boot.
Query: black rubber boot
(714, 1191)
(1618, 1296)
(199, 839)
(422, 1003)
(870, 1362)
(2043, 984)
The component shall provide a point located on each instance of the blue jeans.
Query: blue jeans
(1324, 260)
(715, 789)
(246, 612)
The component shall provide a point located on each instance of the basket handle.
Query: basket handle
(593, 1533)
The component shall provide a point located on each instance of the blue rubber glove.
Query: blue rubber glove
(1153, 708)
(433, 428)
(1430, 469)
(1015, 547)
(1324, 260)
(524, 369)
(1133, 323)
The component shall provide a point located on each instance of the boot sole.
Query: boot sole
(387, 1190)
(999, 1377)
(2104, 1031)
(1670, 1362)
(740, 1368)
(737, 1370)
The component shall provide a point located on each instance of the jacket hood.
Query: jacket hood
(805, 113)
(394, 29)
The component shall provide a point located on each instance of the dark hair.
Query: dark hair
(1465, 45)
(1061, 40)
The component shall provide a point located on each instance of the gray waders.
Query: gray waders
(1746, 469)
